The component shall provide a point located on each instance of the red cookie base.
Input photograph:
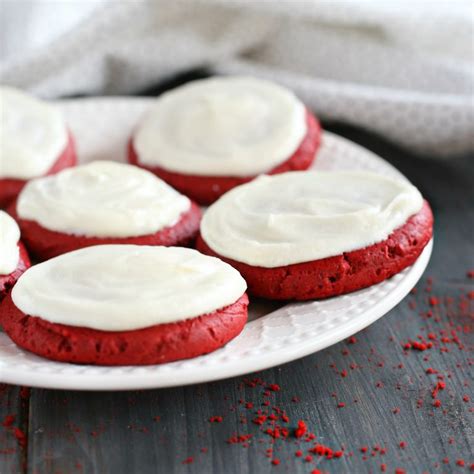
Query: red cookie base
(154, 345)
(207, 189)
(10, 188)
(340, 274)
(44, 243)
(8, 281)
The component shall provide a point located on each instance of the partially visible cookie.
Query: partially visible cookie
(34, 141)
(211, 135)
(14, 259)
(103, 202)
(126, 305)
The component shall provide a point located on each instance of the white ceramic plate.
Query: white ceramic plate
(275, 334)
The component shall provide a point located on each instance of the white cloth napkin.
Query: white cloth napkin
(403, 69)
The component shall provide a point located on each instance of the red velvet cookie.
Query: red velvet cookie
(153, 345)
(207, 189)
(10, 187)
(103, 202)
(126, 305)
(7, 281)
(340, 274)
(44, 243)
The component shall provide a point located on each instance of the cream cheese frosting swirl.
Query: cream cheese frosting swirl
(32, 135)
(225, 126)
(9, 238)
(303, 216)
(102, 199)
(127, 287)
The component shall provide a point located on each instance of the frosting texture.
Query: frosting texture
(9, 250)
(102, 199)
(32, 135)
(225, 126)
(303, 216)
(126, 287)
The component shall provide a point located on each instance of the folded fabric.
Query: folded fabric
(401, 69)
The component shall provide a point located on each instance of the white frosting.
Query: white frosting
(226, 126)
(303, 216)
(127, 287)
(102, 199)
(9, 237)
(32, 135)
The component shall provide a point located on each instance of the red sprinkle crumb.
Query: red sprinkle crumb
(301, 429)
(433, 301)
(275, 462)
(20, 436)
(189, 460)
(215, 419)
(8, 420)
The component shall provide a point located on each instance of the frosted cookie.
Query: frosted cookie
(103, 202)
(308, 235)
(14, 259)
(126, 305)
(211, 135)
(34, 141)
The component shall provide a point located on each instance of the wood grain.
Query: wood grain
(14, 406)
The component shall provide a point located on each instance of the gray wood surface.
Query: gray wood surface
(117, 433)
(14, 414)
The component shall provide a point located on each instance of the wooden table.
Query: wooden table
(385, 390)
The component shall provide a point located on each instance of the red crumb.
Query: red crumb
(259, 420)
(433, 301)
(20, 436)
(216, 419)
(8, 420)
(301, 429)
